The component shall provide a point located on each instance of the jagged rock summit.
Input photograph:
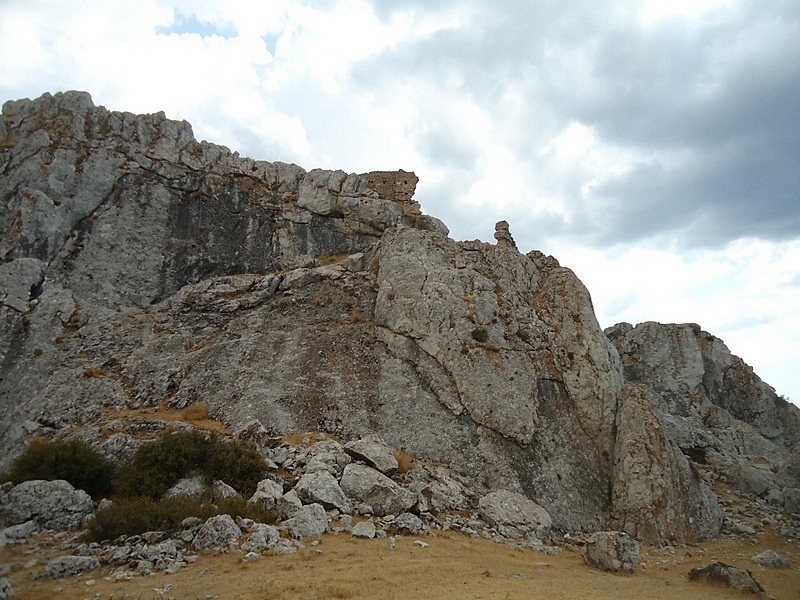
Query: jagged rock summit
(141, 268)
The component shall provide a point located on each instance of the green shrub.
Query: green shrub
(480, 335)
(238, 465)
(132, 516)
(158, 465)
(75, 461)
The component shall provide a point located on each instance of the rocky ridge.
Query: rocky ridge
(144, 269)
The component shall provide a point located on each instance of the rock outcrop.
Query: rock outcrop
(49, 504)
(141, 268)
(717, 411)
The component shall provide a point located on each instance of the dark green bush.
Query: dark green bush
(75, 461)
(132, 516)
(238, 465)
(480, 335)
(158, 465)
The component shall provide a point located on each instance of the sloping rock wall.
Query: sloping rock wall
(147, 269)
(714, 407)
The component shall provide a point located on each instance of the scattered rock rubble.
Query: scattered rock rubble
(326, 487)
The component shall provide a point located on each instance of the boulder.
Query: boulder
(325, 455)
(788, 475)
(514, 516)
(67, 566)
(791, 500)
(288, 504)
(407, 524)
(50, 504)
(309, 521)
(285, 546)
(720, 573)
(262, 538)
(221, 491)
(383, 495)
(321, 487)
(18, 534)
(218, 532)
(193, 488)
(267, 494)
(364, 529)
(611, 551)
(438, 490)
(752, 479)
(374, 452)
(770, 558)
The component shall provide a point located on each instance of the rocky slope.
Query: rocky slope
(142, 268)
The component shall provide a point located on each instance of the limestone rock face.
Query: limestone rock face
(654, 486)
(714, 407)
(290, 301)
(693, 371)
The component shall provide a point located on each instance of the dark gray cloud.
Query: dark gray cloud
(710, 104)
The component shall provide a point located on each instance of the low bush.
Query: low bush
(133, 516)
(238, 465)
(480, 335)
(158, 465)
(75, 461)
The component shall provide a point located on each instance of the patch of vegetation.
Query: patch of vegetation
(480, 335)
(405, 462)
(158, 465)
(132, 516)
(75, 461)
(331, 259)
(195, 412)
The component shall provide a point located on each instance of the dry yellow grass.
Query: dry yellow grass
(405, 462)
(331, 259)
(196, 414)
(453, 566)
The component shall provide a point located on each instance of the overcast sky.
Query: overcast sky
(651, 146)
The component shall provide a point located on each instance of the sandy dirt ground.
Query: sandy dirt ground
(451, 566)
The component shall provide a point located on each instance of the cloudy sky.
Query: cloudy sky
(653, 146)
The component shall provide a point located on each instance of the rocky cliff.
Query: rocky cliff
(141, 268)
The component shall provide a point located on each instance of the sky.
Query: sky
(651, 146)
